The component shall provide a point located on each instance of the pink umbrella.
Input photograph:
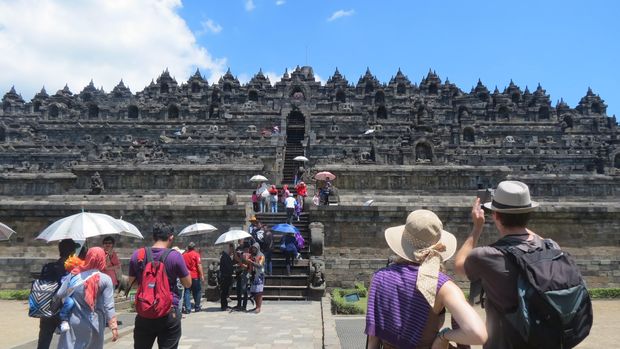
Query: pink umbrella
(322, 176)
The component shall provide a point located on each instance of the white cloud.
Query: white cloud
(53, 42)
(209, 26)
(280, 2)
(340, 14)
(249, 5)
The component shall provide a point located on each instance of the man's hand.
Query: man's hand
(477, 215)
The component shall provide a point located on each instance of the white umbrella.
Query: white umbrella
(369, 202)
(369, 131)
(301, 158)
(5, 232)
(129, 229)
(82, 226)
(232, 235)
(258, 178)
(197, 228)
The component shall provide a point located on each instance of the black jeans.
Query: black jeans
(224, 292)
(167, 331)
(290, 212)
(242, 291)
(46, 331)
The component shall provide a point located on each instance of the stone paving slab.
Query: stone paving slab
(604, 333)
(279, 325)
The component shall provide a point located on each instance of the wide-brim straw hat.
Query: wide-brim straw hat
(422, 230)
(511, 197)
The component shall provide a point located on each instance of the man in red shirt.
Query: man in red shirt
(194, 265)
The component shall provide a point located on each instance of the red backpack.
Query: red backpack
(154, 299)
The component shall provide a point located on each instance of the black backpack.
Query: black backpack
(554, 309)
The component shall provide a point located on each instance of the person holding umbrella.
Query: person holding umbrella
(226, 275)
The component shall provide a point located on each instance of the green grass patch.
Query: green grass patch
(341, 306)
(14, 294)
(604, 293)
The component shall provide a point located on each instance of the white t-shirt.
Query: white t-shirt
(290, 202)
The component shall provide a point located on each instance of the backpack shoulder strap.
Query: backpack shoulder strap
(148, 255)
(163, 257)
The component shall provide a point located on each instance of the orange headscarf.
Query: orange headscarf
(95, 259)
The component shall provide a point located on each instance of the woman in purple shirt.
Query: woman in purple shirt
(407, 300)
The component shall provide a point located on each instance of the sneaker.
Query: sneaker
(64, 327)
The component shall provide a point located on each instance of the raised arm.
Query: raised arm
(477, 216)
(472, 330)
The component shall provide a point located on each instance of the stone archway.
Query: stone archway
(423, 152)
(433, 89)
(2, 135)
(379, 98)
(195, 87)
(381, 112)
(93, 111)
(53, 111)
(164, 88)
(617, 161)
(543, 113)
(341, 96)
(132, 112)
(401, 89)
(173, 112)
(253, 96)
(596, 108)
(469, 135)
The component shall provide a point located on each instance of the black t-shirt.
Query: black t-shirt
(53, 271)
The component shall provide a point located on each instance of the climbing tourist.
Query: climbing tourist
(226, 275)
(302, 191)
(290, 203)
(93, 293)
(265, 198)
(299, 174)
(407, 300)
(497, 269)
(194, 265)
(254, 227)
(156, 322)
(273, 199)
(288, 245)
(112, 264)
(284, 193)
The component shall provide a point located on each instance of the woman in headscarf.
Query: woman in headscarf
(92, 290)
(258, 279)
(407, 299)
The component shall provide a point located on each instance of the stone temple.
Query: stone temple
(175, 150)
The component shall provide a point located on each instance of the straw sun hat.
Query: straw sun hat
(422, 230)
(422, 240)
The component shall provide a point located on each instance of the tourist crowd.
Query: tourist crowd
(407, 300)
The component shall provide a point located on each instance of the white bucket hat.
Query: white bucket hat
(512, 197)
(422, 240)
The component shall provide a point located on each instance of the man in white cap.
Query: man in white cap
(511, 209)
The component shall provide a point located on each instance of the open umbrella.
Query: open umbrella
(197, 229)
(369, 131)
(129, 229)
(258, 178)
(82, 226)
(301, 158)
(5, 232)
(285, 228)
(232, 235)
(369, 202)
(321, 176)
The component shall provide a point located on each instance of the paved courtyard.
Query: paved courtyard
(280, 325)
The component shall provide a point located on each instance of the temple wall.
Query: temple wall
(355, 246)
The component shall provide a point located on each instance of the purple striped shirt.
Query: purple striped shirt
(397, 311)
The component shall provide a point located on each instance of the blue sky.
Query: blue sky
(567, 46)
